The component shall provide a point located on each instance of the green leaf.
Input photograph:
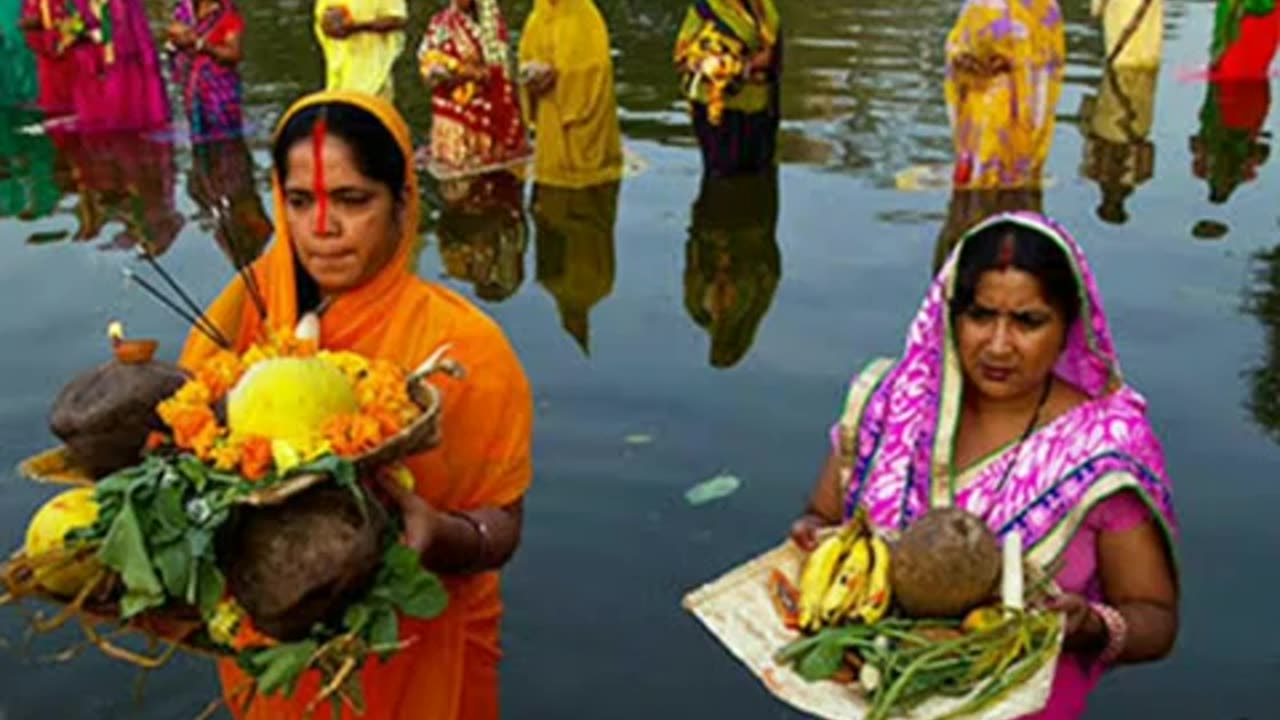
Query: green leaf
(125, 551)
(132, 602)
(174, 563)
(200, 542)
(278, 668)
(403, 582)
(822, 662)
(715, 488)
(356, 618)
(211, 584)
(425, 597)
(169, 514)
(194, 472)
(384, 630)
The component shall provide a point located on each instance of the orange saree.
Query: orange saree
(450, 669)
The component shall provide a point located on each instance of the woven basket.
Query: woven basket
(737, 610)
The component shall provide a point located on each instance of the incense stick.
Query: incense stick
(194, 307)
(243, 269)
(210, 331)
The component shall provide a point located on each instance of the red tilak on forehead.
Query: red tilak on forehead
(317, 158)
(1005, 258)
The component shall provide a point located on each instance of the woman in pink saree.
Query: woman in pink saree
(117, 85)
(1008, 402)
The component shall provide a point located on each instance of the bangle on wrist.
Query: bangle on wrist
(1117, 629)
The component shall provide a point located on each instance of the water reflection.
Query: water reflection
(575, 255)
(968, 207)
(125, 178)
(1116, 122)
(222, 185)
(483, 234)
(28, 186)
(732, 261)
(1264, 380)
(1231, 145)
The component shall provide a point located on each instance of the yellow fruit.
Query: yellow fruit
(289, 399)
(67, 511)
(402, 476)
(816, 576)
(983, 618)
(850, 584)
(875, 603)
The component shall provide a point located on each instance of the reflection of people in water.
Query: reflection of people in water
(1264, 380)
(28, 186)
(123, 177)
(55, 63)
(729, 57)
(575, 259)
(969, 207)
(732, 261)
(1230, 146)
(1133, 31)
(1245, 35)
(222, 185)
(1117, 124)
(1005, 61)
(483, 234)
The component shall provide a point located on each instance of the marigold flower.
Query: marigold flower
(255, 458)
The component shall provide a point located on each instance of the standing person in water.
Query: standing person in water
(567, 71)
(1005, 61)
(361, 40)
(1007, 401)
(729, 56)
(347, 217)
(205, 36)
(55, 63)
(118, 85)
(476, 124)
(17, 66)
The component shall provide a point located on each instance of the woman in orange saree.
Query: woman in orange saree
(347, 212)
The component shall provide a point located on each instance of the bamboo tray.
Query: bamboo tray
(736, 609)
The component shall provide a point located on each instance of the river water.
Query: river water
(642, 391)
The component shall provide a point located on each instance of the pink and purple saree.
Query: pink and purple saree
(1097, 468)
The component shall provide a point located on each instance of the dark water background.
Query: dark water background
(830, 276)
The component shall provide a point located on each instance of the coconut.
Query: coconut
(70, 510)
(300, 562)
(103, 416)
(944, 564)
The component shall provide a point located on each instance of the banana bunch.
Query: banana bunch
(845, 579)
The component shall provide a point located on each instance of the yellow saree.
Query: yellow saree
(362, 61)
(1005, 63)
(578, 139)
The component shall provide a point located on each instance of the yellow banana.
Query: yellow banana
(875, 602)
(816, 575)
(850, 583)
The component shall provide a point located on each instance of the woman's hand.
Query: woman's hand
(1083, 628)
(804, 531)
(181, 35)
(539, 78)
(420, 519)
(760, 62)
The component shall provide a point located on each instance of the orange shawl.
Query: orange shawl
(450, 670)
